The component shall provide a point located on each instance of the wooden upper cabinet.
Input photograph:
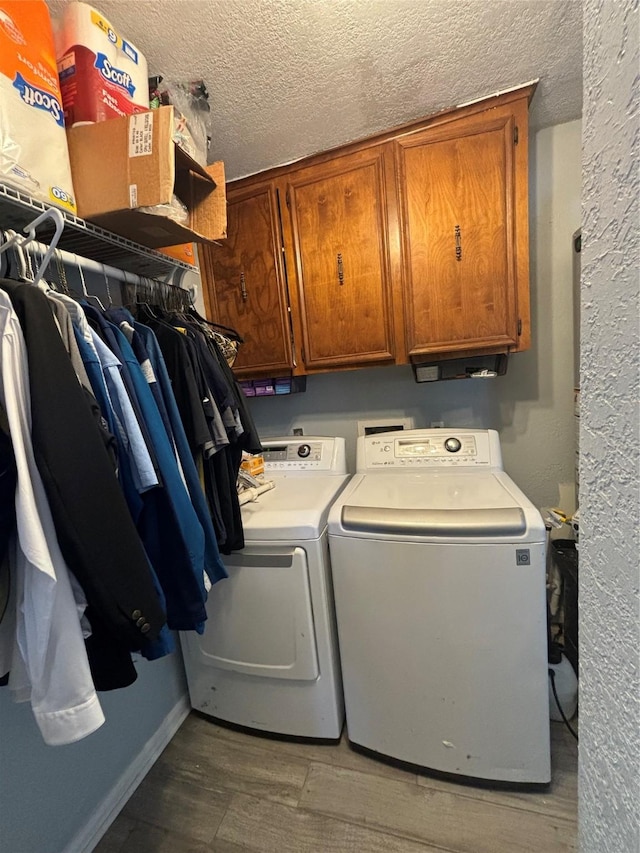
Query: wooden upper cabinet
(462, 188)
(336, 237)
(245, 283)
(411, 245)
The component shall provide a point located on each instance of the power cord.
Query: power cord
(552, 676)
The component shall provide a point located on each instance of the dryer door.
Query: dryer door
(260, 618)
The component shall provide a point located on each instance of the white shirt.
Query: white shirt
(49, 665)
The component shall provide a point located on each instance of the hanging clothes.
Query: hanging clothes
(213, 565)
(170, 529)
(93, 525)
(124, 321)
(136, 438)
(8, 481)
(135, 469)
(47, 658)
(205, 384)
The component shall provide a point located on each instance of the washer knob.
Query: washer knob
(304, 450)
(453, 445)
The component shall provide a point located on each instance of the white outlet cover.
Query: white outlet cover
(387, 423)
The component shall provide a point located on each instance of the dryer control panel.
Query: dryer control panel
(299, 453)
(430, 448)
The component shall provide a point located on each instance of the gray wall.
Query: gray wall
(609, 791)
(49, 794)
(532, 406)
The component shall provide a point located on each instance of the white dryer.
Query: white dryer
(438, 564)
(268, 658)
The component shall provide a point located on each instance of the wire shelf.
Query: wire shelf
(89, 241)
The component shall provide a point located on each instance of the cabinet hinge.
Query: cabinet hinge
(515, 135)
(519, 326)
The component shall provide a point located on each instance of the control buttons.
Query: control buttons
(304, 450)
(453, 445)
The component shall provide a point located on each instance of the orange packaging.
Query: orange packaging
(183, 252)
(33, 145)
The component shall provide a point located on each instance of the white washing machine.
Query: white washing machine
(268, 658)
(438, 564)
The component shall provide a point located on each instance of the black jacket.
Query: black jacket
(96, 533)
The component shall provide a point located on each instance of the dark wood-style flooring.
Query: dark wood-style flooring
(221, 790)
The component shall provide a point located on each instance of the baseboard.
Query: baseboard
(88, 837)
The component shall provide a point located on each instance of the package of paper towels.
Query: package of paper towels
(102, 75)
(34, 158)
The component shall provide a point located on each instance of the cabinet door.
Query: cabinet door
(245, 282)
(338, 227)
(463, 201)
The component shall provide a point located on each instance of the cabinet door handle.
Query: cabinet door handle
(243, 288)
(340, 270)
(458, 234)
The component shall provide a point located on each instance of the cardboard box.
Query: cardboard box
(253, 465)
(131, 162)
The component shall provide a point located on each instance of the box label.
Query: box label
(141, 134)
(133, 195)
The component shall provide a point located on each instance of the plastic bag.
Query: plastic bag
(192, 121)
(175, 210)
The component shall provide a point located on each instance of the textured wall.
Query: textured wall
(532, 406)
(609, 616)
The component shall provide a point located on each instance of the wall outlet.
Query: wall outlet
(385, 425)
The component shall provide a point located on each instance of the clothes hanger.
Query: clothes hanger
(32, 259)
(12, 238)
(4, 263)
(83, 285)
(225, 330)
(20, 267)
(31, 262)
(106, 284)
(10, 259)
(56, 216)
(61, 283)
(19, 242)
(139, 307)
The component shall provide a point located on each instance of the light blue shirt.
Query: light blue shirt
(142, 469)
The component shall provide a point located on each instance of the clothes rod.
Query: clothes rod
(109, 272)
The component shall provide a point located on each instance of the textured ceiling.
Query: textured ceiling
(288, 78)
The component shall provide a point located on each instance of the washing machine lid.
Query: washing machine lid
(297, 508)
(457, 505)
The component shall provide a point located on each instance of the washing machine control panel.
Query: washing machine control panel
(303, 454)
(419, 449)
